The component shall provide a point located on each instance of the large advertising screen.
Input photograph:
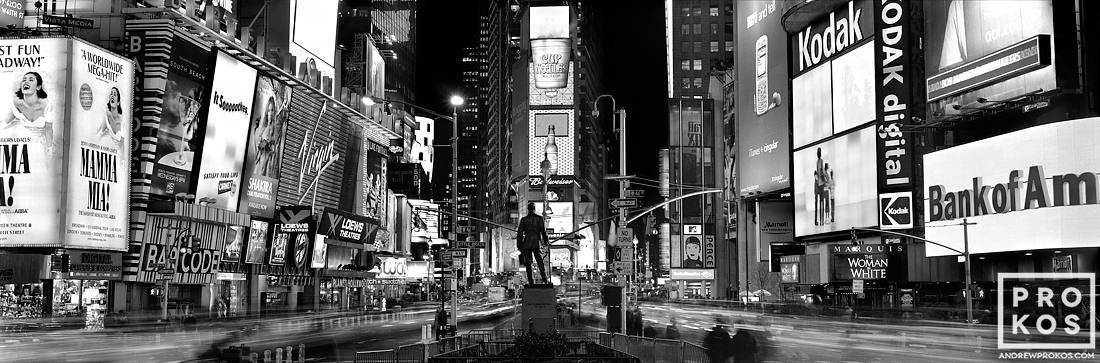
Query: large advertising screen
(32, 139)
(292, 235)
(762, 132)
(1040, 195)
(64, 145)
(550, 46)
(551, 139)
(180, 118)
(313, 42)
(835, 96)
(257, 242)
(270, 110)
(100, 106)
(836, 185)
(968, 55)
(223, 148)
(561, 218)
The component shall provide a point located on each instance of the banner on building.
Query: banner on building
(869, 262)
(65, 160)
(763, 145)
(181, 117)
(294, 230)
(224, 144)
(550, 46)
(270, 111)
(257, 241)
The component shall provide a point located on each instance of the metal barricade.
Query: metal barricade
(605, 339)
(665, 350)
(412, 353)
(693, 353)
(376, 356)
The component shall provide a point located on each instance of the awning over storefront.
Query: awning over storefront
(23, 268)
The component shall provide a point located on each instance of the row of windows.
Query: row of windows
(687, 83)
(698, 11)
(697, 47)
(697, 29)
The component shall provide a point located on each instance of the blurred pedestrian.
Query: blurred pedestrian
(672, 331)
(744, 344)
(717, 341)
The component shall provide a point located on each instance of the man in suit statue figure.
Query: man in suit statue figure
(530, 238)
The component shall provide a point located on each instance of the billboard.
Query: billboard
(816, 113)
(64, 155)
(894, 77)
(550, 46)
(869, 262)
(1041, 195)
(234, 244)
(291, 237)
(99, 131)
(375, 185)
(270, 108)
(551, 138)
(320, 252)
(223, 148)
(549, 96)
(192, 265)
(344, 226)
(257, 242)
(763, 141)
(11, 13)
(32, 140)
(560, 218)
(314, 154)
(836, 184)
(995, 49)
(180, 118)
(313, 42)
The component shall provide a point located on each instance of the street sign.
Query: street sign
(624, 254)
(624, 236)
(67, 21)
(469, 244)
(445, 255)
(460, 253)
(624, 203)
(623, 268)
(467, 229)
(857, 286)
(635, 193)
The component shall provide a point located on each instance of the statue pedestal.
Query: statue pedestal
(539, 307)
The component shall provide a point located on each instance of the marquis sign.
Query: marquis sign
(831, 35)
(869, 262)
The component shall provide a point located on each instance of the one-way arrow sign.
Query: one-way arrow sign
(624, 203)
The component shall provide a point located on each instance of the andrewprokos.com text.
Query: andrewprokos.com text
(1014, 195)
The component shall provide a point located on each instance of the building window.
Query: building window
(713, 11)
(421, 156)
(685, 11)
(714, 46)
(426, 142)
(697, 11)
(698, 28)
(698, 64)
(729, 45)
(698, 82)
(685, 65)
(684, 29)
(714, 28)
(697, 47)
(685, 47)
(685, 82)
(729, 28)
(429, 127)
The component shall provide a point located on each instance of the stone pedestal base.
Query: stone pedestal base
(539, 304)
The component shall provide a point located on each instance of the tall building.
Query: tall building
(423, 149)
(556, 74)
(699, 34)
(493, 89)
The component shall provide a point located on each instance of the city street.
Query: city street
(328, 337)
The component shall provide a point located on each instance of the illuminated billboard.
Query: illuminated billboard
(834, 97)
(257, 242)
(561, 218)
(550, 46)
(177, 133)
(551, 138)
(313, 42)
(549, 96)
(763, 143)
(1040, 195)
(993, 49)
(270, 111)
(835, 184)
(65, 145)
(223, 148)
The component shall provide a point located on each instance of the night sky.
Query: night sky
(634, 69)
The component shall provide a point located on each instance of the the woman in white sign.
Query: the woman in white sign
(30, 111)
(112, 125)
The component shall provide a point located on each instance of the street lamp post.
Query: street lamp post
(456, 101)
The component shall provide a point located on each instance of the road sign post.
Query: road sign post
(624, 203)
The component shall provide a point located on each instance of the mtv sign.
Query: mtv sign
(896, 210)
